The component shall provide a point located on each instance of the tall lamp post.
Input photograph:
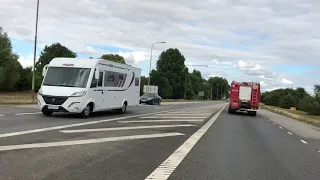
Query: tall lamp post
(185, 78)
(151, 61)
(35, 52)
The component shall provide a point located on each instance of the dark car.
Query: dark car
(150, 98)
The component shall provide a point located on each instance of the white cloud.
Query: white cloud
(286, 81)
(268, 33)
(216, 61)
(215, 75)
(263, 84)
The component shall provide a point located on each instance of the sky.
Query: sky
(276, 43)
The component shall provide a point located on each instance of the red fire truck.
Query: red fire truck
(244, 96)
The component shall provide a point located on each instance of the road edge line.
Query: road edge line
(164, 170)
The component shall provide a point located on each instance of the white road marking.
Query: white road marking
(177, 120)
(171, 163)
(280, 127)
(21, 114)
(177, 114)
(77, 124)
(273, 123)
(86, 141)
(125, 128)
(1, 115)
(170, 117)
(289, 133)
(304, 141)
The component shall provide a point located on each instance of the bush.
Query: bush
(287, 101)
(314, 107)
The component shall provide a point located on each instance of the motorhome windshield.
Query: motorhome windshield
(67, 77)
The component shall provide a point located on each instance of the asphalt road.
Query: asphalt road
(182, 141)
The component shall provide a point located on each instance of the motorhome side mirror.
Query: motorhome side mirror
(96, 74)
(44, 70)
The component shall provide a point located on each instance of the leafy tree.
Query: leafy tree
(287, 101)
(25, 81)
(9, 64)
(317, 90)
(47, 54)
(171, 65)
(144, 81)
(113, 57)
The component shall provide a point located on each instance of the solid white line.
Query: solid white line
(78, 124)
(20, 114)
(125, 128)
(280, 127)
(86, 141)
(178, 120)
(304, 141)
(171, 163)
(177, 114)
(289, 133)
(170, 117)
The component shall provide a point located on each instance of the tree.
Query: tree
(171, 65)
(144, 81)
(51, 52)
(47, 54)
(287, 101)
(9, 64)
(25, 81)
(317, 90)
(113, 57)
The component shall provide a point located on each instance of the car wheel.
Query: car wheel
(47, 113)
(86, 112)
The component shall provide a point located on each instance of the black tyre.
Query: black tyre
(47, 113)
(123, 109)
(230, 111)
(252, 113)
(86, 112)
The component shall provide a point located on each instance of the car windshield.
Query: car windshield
(67, 77)
(148, 94)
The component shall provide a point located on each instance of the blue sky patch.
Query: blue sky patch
(23, 48)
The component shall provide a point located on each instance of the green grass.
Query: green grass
(298, 115)
(17, 98)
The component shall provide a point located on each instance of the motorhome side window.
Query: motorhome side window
(94, 81)
(111, 79)
(100, 79)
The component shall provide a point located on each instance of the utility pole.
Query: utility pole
(150, 63)
(35, 52)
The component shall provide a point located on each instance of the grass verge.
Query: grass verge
(17, 98)
(298, 115)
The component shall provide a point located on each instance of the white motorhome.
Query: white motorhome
(88, 85)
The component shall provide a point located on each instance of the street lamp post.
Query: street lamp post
(185, 78)
(150, 63)
(35, 52)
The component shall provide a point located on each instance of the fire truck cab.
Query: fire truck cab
(244, 96)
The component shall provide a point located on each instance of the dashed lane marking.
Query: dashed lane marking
(125, 128)
(1, 115)
(87, 141)
(21, 114)
(280, 127)
(289, 133)
(166, 120)
(304, 141)
(171, 163)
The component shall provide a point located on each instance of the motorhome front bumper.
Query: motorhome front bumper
(61, 104)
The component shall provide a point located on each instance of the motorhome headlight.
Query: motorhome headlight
(79, 94)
